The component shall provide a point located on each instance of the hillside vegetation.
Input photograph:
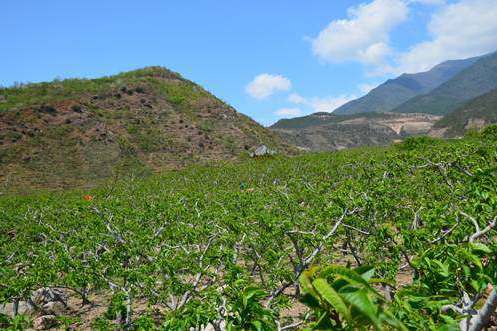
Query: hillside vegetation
(475, 114)
(328, 132)
(394, 92)
(380, 238)
(470, 83)
(79, 132)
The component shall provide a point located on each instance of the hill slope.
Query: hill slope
(74, 132)
(475, 114)
(327, 131)
(473, 81)
(394, 92)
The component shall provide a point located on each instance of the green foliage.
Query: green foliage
(490, 132)
(230, 243)
(18, 323)
(417, 143)
(344, 299)
(247, 312)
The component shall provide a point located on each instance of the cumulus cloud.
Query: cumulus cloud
(266, 85)
(329, 104)
(321, 104)
(288, 112)
(297, 99)
(429, 2)
(458, 30)
(366, 88)
(364, 36)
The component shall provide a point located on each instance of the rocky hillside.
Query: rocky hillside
(396, 91)
(470, 83)
(76, 131)
(475, 114)
(327, 131)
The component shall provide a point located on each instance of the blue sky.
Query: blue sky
(308, 55)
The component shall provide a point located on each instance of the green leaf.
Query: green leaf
(366, 271)
(444, 268)
(360, 300)
(479, 247)
(250, 293)
(347, 273)
(305, 281)
(351, 276)
(471, 257)
(331, 297)
(257, 325)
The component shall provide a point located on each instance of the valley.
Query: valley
(328, 132)
(142, 201)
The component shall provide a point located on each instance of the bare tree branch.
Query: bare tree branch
(479, 321)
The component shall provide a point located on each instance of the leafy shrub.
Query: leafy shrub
(417, 143)
(18, 323)
(490, 132)
(345, 299)
(248, 313)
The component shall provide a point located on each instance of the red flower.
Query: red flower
(88, 197)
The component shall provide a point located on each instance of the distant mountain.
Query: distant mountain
(475, 114)
(328, 131)
(475, 80)
(77, 131)
(396, 91)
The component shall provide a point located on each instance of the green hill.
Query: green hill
(475, 114)
(473, 81)
(327, 131)
(396, 91)
(79, 131)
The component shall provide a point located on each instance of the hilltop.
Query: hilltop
(79, 131)
(327, 131)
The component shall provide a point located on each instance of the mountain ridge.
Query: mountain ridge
(396, 91)
(473, 81)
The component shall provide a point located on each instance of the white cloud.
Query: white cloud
(364, 36)
(266, 85)
(321, 104)
(429, 2)
(366, 88)
(459, 30)
(329, 104)
(290, 112)
(297, 99)
(375, 54)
